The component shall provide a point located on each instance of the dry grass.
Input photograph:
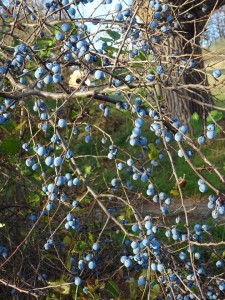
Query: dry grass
(214, 58)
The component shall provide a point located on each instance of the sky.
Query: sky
(96, 9)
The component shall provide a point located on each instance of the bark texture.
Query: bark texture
(180, 101)
(192, 17)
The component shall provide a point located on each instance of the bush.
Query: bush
(105, 136)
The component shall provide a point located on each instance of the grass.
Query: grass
(166, 181)
(119, 126)
(213, 150)
(214, 59)
(120, 123)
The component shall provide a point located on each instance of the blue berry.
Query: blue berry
(217, 73)
(96, 246)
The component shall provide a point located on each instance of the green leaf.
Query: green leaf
(87, 170)
(142, 92)
(45, 53)
(195, 289)
(44, 43)
(118, 237)
(156, 289)
(112, 288)
(80, 247)
(196, 123)
(153, 151)
(34, 198)
(9, 127)
(55, 30)
(113, 34)
(15, 42)
(111, 49)
(195, 117)
(73, 114)
(18, 127)
(128, 213)
(69, 264)
(141, 56)
(107, 40)
(215, 115)
(11, 145)
(67, 240)
(174, 193)
(91, 238)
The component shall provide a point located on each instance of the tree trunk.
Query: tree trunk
(185, 41)
(180, 101)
